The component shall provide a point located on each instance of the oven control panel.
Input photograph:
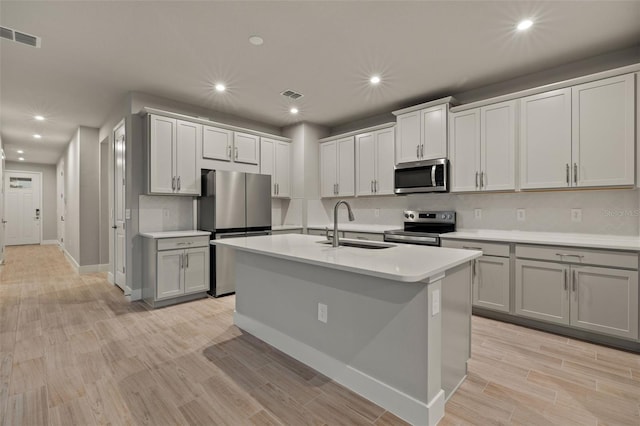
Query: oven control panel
(422, 216)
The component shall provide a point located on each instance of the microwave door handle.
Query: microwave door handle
(433, 176)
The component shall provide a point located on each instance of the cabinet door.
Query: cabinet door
(162, 136)
(365, 163)
(189, 136)
(283, 169)
(196, 270)
(328, 169)
(491, 283)
(545, 140)
(245, 148)
(605, 300)
(408, 137)
(384, 180)
(464, 151)
(498, 147)
(346, 167)
(169, 268)
(542, 291)
(603, 132)
(216, 143)
(434, 132)
(267, 161)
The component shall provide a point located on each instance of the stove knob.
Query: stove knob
(444, 216)
(406, 215)
(411, 216)
(449, 216)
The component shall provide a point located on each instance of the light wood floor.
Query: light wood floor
(74, 352)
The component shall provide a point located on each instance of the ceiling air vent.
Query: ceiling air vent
(291, 94)
(20, 37)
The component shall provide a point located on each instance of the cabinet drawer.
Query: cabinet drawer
(488, 249)
(577, 255)
(363, 236)
(182, 243)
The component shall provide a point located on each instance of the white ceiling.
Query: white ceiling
(93, 52)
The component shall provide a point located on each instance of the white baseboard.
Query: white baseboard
(110, 278)
(90, 269)
(71, 260)
(402, 405)
(133, 294)
(49, 242)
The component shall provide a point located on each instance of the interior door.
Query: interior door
(61, 203)
(2, 207)
(22, 208)
(119, 246)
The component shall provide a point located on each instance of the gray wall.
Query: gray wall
(104, 201)
(48, 171)
(71, 162)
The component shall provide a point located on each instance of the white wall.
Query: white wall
(48, 171)
(603, 211)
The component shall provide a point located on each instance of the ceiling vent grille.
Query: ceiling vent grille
(20, 37)
(291, 94)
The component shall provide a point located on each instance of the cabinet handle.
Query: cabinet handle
(173, 183)
(337, 188)
(178, 183)
(228, 151)
(422, 151)
(472, 248)
(274, 189)
(575, 173)
(277, 188)
(186, 256)
(475, 267)
(371, 187)
(181, 260)
(481, 180)
(417, 151)
(477, 179)
(375, 186)
(568, 172)
(579, 256)
(236, 152)
(566, 279)
(573, 281)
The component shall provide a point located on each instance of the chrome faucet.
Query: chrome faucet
(336, 243)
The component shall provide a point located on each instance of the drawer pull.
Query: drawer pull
(472, 248)
(575, 278)
(185, 243)
(579, 256)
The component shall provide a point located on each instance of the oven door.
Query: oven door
(422, 176)
(406, 238)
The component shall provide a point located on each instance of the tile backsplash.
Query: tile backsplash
(603, 211)
(165, 213)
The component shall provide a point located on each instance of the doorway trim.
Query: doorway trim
(41, 209)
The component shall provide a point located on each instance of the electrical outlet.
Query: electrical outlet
(322, 312)
(477, 214)
(521, 215)
(435, 303)
(166, 213)
(576, 215)
(376, 212)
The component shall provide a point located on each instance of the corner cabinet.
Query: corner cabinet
(275, 160)
(172, 159)
(175, 269)
(592, 290)
(421, 132)
(482, 148)
(581, 136)
(337, 168)
(374, 162)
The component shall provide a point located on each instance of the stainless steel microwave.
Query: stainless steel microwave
(422, 176)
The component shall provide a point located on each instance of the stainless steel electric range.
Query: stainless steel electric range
(423, 227)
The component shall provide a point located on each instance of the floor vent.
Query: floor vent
(291, 94)
(20, 37)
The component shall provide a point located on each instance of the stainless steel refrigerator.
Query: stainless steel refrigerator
(233, 204)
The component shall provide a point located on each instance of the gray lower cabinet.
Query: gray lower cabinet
(592, 298)
(287, 231)
(175, 269)
(491, 273)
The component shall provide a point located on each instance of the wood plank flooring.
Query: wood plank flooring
(74, 352)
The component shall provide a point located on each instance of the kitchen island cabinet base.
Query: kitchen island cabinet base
(383, 339)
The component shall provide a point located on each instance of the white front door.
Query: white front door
(119, 246)
(22, 208)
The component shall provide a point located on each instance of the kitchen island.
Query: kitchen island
(391, 324)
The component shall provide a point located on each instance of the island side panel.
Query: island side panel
(456, 326)
(376, 328)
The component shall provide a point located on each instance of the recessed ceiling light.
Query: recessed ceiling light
(293, 110)
(21, 158)
(525, 24)
(20, 151)
(37, 136)
(38, 117)
(375, 79)
(256, 40)
(220, 87)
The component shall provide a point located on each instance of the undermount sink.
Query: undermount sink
(371, 245)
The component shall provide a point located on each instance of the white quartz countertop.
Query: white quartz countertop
(613, 242)
(175, 234)
(285, 227)
(403, 262)
(357, 227)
